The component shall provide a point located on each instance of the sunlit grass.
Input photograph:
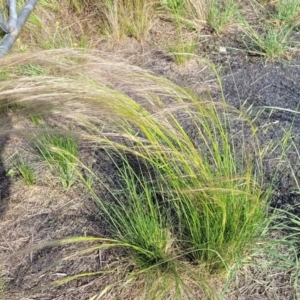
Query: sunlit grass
(190, 207)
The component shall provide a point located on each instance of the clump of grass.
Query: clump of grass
(183, 50)
(221, 14)
(191, 203)
(128, 18)
(25, 171)
(188, 13)
(271, 42)
(202, 205)
(205, 201)
(287, 13)
(60, 151)
(137, 220)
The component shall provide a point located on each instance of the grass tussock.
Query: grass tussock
(221, 14)
(128, 18)
(25, 171)
(208, 197)
(189, 203)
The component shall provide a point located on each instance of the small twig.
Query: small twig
(101, 262)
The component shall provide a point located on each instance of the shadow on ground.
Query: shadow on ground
(4, 179)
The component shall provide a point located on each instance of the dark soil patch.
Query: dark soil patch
(4, 179)
(268, 93)
(271, 91)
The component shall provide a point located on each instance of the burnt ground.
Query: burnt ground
(269, 95)
(270, 90)
(45, 212)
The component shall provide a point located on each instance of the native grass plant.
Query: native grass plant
(25, 171)
(60, 152)
(183, 203)
(128, 18)
(190, 202)
(188, 13)
(221, 14)
(273, 38)
(272, 42)
(183, 50)
(287, 13)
